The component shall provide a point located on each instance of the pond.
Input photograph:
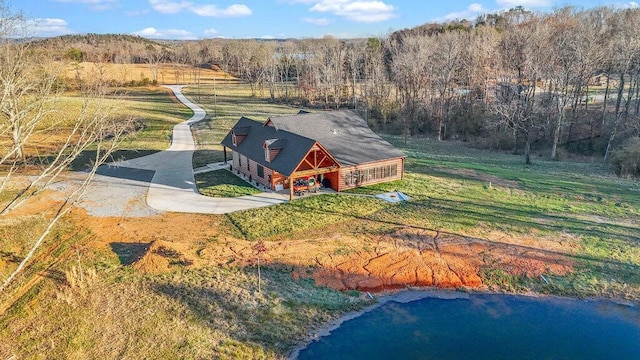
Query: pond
(486, 326)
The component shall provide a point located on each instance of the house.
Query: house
(336, 147)
(600, 78)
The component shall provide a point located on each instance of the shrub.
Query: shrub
(75, 55)
(626, 158)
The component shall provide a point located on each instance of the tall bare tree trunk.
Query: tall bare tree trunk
(614, 131)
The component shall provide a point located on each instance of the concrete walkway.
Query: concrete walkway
(173, 188)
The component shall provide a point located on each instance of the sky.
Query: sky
(266, 19)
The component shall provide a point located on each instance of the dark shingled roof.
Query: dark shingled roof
(290, 155)
(344, 134)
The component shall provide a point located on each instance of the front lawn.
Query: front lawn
(222, 183)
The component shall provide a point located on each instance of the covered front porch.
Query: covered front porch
(317, 164)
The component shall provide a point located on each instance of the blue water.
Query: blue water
(486, 327)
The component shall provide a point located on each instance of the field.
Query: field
(175, 284)
(126, 74)
(151, 108)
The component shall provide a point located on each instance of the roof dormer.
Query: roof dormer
(272, 148)
(238, 134)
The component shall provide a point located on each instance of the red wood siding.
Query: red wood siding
(368, 174)
(237, 139)
(372, 173)
(273, 153)
(251, 169)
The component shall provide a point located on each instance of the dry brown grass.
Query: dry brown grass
(166, 73)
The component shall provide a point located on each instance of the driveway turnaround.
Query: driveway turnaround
(172, 187)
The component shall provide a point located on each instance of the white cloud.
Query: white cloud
(173, 7)
(48, 27)
(298, 1)
(211, 31)
(136, 12)
(359, 10)
(213, 11)
(92, 2)
(97, 5)
(168, 6)
(174, 34)
(471, 12)
(316, 21)
(630, 5)
(525, 3)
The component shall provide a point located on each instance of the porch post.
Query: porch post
(224, 150)
(291, 187)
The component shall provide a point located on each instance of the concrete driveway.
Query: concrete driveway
(172, 186)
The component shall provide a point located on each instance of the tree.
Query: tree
(411, 73)
(523, 55)
(28, 89)
(259, 249)
(626, 57)
(563, 73)
(153, 57)
(446, 62)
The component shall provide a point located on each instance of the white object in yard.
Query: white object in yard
(279, 187)
(395, 196)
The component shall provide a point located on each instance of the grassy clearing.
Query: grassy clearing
(158, 111)
(305, 214)
(222, 183)
(155, 110)
(128, 73)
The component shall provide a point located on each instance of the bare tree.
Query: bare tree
(153, 58)
(28, 91)
(376, 88)
(626, 56)
(27, 80)
(412, 74)
(447, 61)
(259, 249)
(288, 53)
(523, 56)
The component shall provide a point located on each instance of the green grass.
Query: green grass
(158, 111)
(222, 183)
(304, 214)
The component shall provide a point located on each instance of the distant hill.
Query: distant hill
(112, 48)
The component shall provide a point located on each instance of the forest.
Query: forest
(559, 85)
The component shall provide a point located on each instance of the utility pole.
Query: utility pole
(215, 106)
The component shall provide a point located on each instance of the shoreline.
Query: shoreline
(416, 294)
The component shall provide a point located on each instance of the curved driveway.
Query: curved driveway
(173, 188)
